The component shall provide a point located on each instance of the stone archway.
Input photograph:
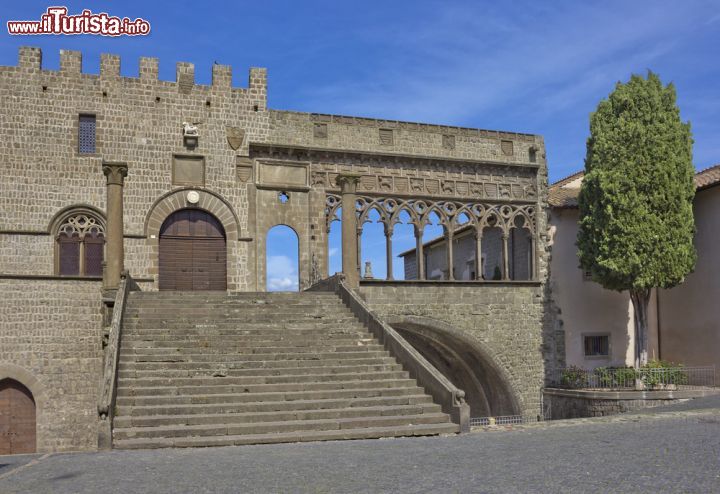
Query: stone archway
(29, 397)
(193, 252)
(204, 200)
(464, 362)
(17, 418)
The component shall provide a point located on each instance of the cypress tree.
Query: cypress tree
(636, 220)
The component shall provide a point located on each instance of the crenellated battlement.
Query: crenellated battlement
(30, 61)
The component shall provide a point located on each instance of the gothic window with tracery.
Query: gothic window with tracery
(80, 244)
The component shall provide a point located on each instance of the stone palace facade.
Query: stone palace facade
(179, 183)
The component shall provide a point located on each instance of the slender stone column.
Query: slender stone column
(388, 251)
(478, 254)
(449, 235)
(533, 259)
(419, 254)
(359, 248)
(506, 271)
(348, 186)
(114, 248)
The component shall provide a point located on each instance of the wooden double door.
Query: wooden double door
(17, 418)
(193, 252)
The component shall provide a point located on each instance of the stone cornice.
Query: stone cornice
(305, 153)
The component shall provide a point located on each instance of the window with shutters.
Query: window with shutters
(86, 134)
(80, 245)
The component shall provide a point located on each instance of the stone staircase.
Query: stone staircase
(217, 368)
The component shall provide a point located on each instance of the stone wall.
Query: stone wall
(51, 341)
(505, 320)
(363, 134)
(570, 404)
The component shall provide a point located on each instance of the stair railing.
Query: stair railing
(108, 385)
(445, 393)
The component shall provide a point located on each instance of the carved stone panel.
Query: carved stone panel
(448, 141)
(417, 185)
(319, 179)
(235, 137)
(320, 131)
(276, 174)
(367, 183)
(401, 184)
(386, 137)
(244, 168)
(491, 190)
(506, 147)
(188, 170)
(386, 184)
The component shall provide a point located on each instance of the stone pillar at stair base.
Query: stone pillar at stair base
(114, 247)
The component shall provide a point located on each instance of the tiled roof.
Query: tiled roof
(708, 177)
(564, 193)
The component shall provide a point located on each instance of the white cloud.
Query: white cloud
(282, 284)
(333, 251)
(472, 62)
(282, 274)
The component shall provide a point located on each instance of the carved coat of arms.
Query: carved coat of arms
(235, 137)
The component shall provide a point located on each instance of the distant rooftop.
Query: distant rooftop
(564, 193)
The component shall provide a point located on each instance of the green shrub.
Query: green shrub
(652, 374)
(615, 377)
(574, 377)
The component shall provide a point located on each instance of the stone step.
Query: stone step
(274, 416)
(268, 322)
(209, 350)
(231, 354)
(200, 294)
(127, 388)
(291, 437)
(273, 406)
(408, 387)
(235, 306)
(137, 346)
(233, 334)
(176, 330)
(251, 368)
(270, 331)
(239, 361)
(174, 431)
(162, 321)
(309, 313)
(265, 375)
(258, 384)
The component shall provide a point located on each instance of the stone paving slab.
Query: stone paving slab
(672, 452)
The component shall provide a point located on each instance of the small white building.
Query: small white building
(598, 324)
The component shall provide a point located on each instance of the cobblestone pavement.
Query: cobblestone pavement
(672, 451)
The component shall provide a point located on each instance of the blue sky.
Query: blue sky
(527, 66)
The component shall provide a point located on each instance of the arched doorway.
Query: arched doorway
(17, 418)
(193, 252)
(281, 254)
